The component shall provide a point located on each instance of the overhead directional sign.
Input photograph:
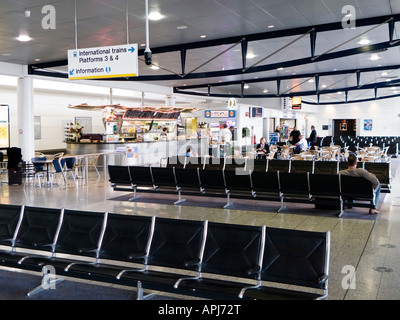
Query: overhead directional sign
(103, 62)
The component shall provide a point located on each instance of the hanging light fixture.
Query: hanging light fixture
(147, 51)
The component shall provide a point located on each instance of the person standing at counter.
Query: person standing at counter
(225, 138)
(212, 147)
(295, 136)
(164, 132)
(225, 135)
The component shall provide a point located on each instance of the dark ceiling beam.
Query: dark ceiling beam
(313, 40)
(250, 37)
(373, 86)
(352, 101)
(244, 53)
(297, 76)
(183, 60)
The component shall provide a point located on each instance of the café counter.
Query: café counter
(140, 153)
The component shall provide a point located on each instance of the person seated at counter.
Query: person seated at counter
(262, 148)
(190, 152)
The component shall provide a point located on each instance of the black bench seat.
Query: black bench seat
(129, 250)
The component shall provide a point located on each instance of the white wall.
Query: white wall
(384, 115)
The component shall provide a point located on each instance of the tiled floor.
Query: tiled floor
(371, 247)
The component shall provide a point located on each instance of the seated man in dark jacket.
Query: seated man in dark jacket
(262, 148)
(353, 171)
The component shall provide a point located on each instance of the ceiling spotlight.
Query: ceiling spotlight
(265, 90)
(203, 36)
(155, 16)
(250, 56)
(374, 57)
(24, 38)
(311, 80)
(271, 26)
(246, 86)
(364, 42)
(280, 69)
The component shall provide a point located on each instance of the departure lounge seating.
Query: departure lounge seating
(125, 249)
(270, 186)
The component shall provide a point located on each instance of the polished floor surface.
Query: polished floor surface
(370, 247)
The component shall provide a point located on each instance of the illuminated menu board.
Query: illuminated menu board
(4, 127)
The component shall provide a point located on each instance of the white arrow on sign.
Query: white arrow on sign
(103, 62)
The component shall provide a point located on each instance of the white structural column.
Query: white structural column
(26, 129)
(170, 100)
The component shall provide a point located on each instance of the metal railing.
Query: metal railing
(85, 158)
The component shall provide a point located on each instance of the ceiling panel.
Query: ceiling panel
(103, 23)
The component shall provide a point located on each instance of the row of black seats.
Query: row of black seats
(382, 170)
(272, 186)
(99, 243)
(363, 141)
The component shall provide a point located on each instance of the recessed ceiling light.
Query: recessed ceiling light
(280, 69)
(37, 60)
(181, 27)
(155, 16)
(364, 41)
(250, 56)
(265, 90)
(271, 26)
(339, 92)
(323, 86)
(374, 57)
(246, 86)
(203, 36)
(142, 44)
(24, 38)
(311, 80)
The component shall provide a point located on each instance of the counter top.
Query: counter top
(128, 142)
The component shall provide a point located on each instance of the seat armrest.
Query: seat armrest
(139, 255)
(6, 240)
(191, 263)
(82, 250)
(42, 244)
(322, 279)
(253, 270)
